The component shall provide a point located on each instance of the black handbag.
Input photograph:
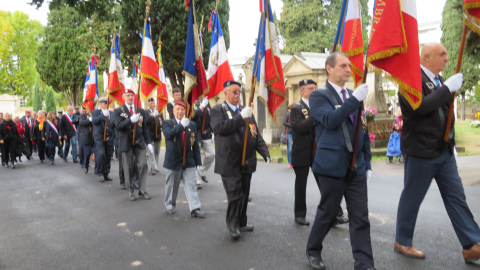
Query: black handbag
(351, 172)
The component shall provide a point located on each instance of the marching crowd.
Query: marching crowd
(321, 127)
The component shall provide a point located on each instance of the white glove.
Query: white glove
(106, 113)
(454, 83)
(204, 103)
(185, 122)
(361, 92)
(155, 113)
(246, 112)
(369, 175)
(455, 152)
(268, 160)
(199, 168)
(150, 147)
(90, 119)
(134, 118)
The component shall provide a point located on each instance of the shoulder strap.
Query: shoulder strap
(346, 135)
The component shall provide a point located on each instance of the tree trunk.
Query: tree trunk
(463, 106)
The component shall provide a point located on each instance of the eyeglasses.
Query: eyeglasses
(236, 92)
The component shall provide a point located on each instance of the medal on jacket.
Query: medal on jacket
(192, 138)
(140, 121)
(229, 113)
(305, 112)
(430, 85)
(364, 123)
(253, 130)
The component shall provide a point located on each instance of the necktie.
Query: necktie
(131, 110)
(352, 118)
(437, 81)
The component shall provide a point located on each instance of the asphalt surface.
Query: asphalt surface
(57, 217)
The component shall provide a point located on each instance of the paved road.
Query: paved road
(56, 217)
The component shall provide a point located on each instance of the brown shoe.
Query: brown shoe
(411, 251)
(472, 254)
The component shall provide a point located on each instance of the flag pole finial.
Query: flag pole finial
(160, 52)
(148, 6)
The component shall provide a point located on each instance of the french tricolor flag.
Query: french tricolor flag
(267, 69)
(91, 87)
(148, 65)
(116, 79)
(162, 92)
(218, 67)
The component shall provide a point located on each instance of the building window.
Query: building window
(22, 102)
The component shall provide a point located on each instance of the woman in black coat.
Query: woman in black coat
(8, 137)
(50, 136)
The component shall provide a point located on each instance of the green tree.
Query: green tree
(310, 25)
(169, 21)
(452, 26)
(19, 39)
(67, 48)
(87, 9)
(37, 99)
(49, 100)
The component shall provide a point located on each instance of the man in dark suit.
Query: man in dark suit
(104, 148)
(28, 123)
(334, 110)
(303, 131)
(177, 96)
(61, 144)
(85, 139)
(125, 121)
(154, 123)
(204, 138)
(68, 131)
(228, 121)
(429, 156)
(178, 132)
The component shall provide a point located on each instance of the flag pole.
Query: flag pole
(250, 101)
(459, 65)
(159, 66)
(140, 76)
(341, 22)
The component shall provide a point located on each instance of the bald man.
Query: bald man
(429, 156)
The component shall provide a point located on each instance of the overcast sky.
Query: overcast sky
(244, 18)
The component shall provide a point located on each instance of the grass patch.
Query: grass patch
(276, 152)
(468, 137)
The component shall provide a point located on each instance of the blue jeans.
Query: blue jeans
(289, 148)
(73, 142)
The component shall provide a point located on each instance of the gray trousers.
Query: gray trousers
(153, 159)
(172, 184)
(209, 150)
(127, 162)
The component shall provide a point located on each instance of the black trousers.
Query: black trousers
(332, 190)
(81, 157)
(9, 150)
(51, 153)
(41, 149)
(103, 157)
(301, 176)
(237, 189)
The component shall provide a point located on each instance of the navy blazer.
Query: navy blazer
(65, 127)
(98, 121)
(331, 157)
(125, 129)
(172, 131)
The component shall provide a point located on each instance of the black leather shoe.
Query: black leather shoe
(86, 170)
(136, 186)
(371, 268)
(75, 161)
(132, 197)
(199, 186)
(41, 161)
(302, 221)
(197, 214)
(204, 179)
(316, 262)
(235, 233)
(101, 178)
(144, 195)
(64, 159)
(122, 186)
(107, 178)
(247, 228)
(340, 220)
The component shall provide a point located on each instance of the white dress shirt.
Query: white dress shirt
(132, 106)
(430, 75)
(306, 102)
(339, 90)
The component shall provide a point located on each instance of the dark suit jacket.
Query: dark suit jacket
(125, 129)
(151, 119)
(198, 119)
(170, 110)
(28, 130)
(85, 130)
(49, 135)
(423, 128)
(174, 148)
(98, 121)
(229, 139)
(303, 132)
(65, 128)
(331, 158)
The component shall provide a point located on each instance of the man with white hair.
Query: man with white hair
(27, 122)
(68, 131)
